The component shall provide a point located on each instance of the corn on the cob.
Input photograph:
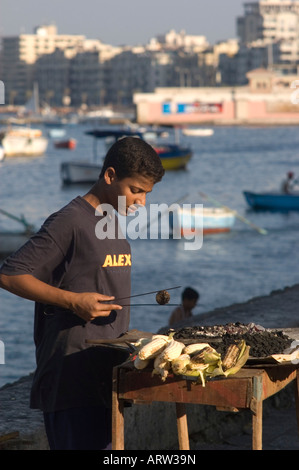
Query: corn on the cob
(232, 355)
(207, 355)
(143, 341)
(243, 356)
(161, 366)
(194, 348)
(173, 350)
(141, 363)
(154, 347)
(179, 364)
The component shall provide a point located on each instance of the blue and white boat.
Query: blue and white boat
(209, 220)
(272, 201)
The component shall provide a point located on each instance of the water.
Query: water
(228, 268)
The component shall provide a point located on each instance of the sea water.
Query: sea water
(228, 268)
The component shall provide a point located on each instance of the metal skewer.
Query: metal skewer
(146, 293)
(149, 305)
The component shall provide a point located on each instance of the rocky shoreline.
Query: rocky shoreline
(22, 428)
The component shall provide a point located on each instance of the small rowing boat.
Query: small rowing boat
(209, 220)
(272, 200)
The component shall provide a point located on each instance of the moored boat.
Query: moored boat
(173, 157)
(79, 172)
(272, 200)
(197, 131)
(23, 141)
(11, 241)
(2, 153)
(56, 133)
(66, 144)
(209, 220)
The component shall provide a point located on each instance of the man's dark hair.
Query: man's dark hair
(190, 294)
(131, 156)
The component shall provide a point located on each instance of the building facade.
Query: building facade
(268, 98)
(272, 21)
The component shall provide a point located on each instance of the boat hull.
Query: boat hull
(18, 146)
(69, 144)
(11, 242)
(272, 201)
(23, 141)
(207, 220)
(174, 157)
(194, 132)
(79, 173)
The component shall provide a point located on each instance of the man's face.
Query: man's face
(133, 190)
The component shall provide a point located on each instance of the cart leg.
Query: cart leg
(257, 424)
(117, 415)
(297, 397)
(182, 426)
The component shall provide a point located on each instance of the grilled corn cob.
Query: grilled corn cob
(194, 348)
(161, 366)
(179, 364)
(232, 355)
(154, 347)
(243, 356)
(141, 363)
(172, 350)
(207, 355)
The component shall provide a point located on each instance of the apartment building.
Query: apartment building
(273, 21)
(250, 56)
(20, 54)
(46, 57)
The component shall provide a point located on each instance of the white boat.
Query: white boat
(79, 172)
(19, 141)
(198, 132)
(209, 220)
(56, 133)
(11, 241)
(2, 154)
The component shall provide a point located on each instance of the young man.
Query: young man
(189, 300)
(62, 268)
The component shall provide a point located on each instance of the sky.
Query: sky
(123, 22)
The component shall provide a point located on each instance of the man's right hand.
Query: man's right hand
(90, 305)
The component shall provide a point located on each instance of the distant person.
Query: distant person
(189, 300)
(287, 186)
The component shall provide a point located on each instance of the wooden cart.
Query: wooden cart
(245, 390)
